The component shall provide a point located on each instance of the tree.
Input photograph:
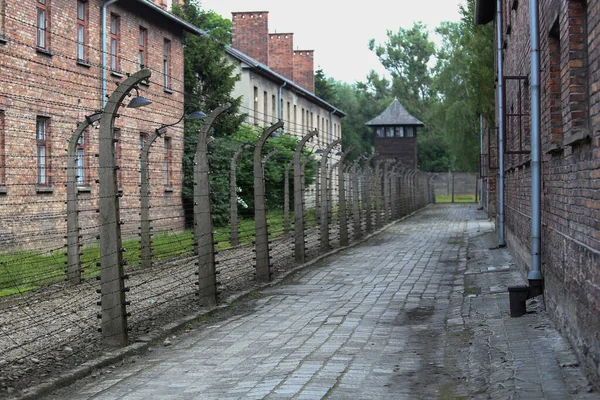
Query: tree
(208, 81)
(406, 55)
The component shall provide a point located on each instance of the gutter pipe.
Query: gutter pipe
(536, 176)
(501, 240)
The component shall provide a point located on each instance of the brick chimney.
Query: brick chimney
(250, 34)
(281, 54)
(304, 69)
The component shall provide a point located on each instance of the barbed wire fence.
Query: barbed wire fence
(64, 282)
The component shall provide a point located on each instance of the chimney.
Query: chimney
(281, 54)
(250, 34)
(304, 69)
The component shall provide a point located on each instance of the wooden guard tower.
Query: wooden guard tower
(396, 134)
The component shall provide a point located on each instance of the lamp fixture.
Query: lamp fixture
(193, 115)
(138, 101)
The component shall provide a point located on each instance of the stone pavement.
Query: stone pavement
(415, 312)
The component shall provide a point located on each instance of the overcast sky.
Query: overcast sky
(339, 31)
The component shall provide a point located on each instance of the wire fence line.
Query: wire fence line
(64, 282)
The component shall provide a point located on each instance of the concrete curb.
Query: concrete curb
(144, 342)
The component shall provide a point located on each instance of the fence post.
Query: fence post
(342, 210)
(286, 199)
(114, 315)
(73, 244)
(324, 220)
(145, 237)
(263, 265)
(369, 192)
(318, 194)
(378, 222)
(453, 186)
(233, 210)
(299, 246)
(203, 222)
(356, 201)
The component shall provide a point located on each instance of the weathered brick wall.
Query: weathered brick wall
(304, 69)
(250, 34)
(570, 128)
(56, 86)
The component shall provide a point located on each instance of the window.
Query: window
(255, 105)
(143, 45)
(409, 131)
(295, 120)
(303, 123)
(167, 63)
(2, 150)
(389, 131)
(399, 131)
(82, 24)
(553, 84)
(43, 151)
(143, 137)
(380, 131)
(1, 19)
(42, 24)
(114, 42)
(273, 108)
(311, 120)
(289, 117)
(117, 153)
(81, 161)
(167, 170)
(265, 107)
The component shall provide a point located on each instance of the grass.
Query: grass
(22, 271)
(463, 198)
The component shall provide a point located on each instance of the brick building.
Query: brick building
(51, 68)
(569, 32)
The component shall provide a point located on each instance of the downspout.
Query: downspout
(501, 241)
(331, 135)
(536, 175)
(518, 295)
(480, 161)
(281, 101)
(103, 29)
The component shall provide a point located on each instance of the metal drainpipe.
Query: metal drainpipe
(281, 101)
(501, 241)
(480, 160)
(104, 7)
(536, 201)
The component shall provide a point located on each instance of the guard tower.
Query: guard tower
(396, 134)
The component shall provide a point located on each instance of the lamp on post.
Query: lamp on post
(73, 171)
(114, 316)
(145, 238)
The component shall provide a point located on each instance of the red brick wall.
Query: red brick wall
(281, 54)
(58, 87)
(304, 69)
(250, 34)
(570, 129)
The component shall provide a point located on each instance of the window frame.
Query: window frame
(167, 64)
(43, 179)
(115, 42)
(168, 162)
(42, 35)
(82, 162)
(143, 47)
(83, 28)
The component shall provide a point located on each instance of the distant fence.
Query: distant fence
(115, 270)
(457, 183)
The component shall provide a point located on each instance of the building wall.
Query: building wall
(55, 85)
(570, 128)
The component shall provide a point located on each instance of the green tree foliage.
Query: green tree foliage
(208, 81)
(222, 150)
